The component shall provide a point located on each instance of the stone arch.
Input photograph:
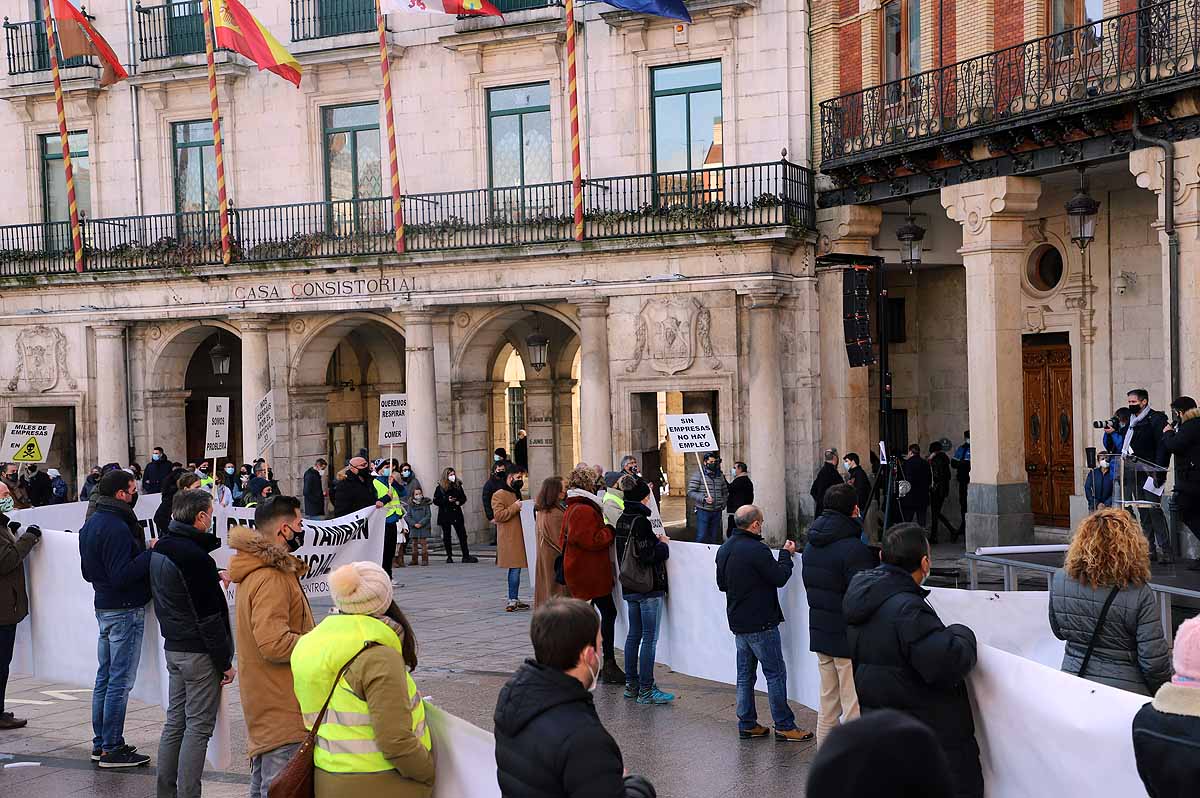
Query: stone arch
(311, 358)
(170, 358)
(475, 358)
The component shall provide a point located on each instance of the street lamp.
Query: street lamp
(221, 358)
(910, 235)
(1081, 215)
(539, 350)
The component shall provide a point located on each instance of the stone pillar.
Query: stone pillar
(595, 392)
(421, 385)
(112, 406)
(845, 396)
(256, 381)
(539, 427)
(564, 426)
(767, 439)
(992, 214)
(471, 412)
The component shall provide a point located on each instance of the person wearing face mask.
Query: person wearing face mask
(494, 482)
(156, 471)
(314, 490)
(906, 659)
(16, 488)
(272, 613)
(1098, 486)
(1182, 440)
(223, 485)
(114, 557)
(355, 491)
(1114, 436)
(550, 742)
(420, 519)
(449, 497)
(510, 538)
(387, 490)
(741, 493)
(14, 604)
(1142, 446)
(709, 492)
(89, 484)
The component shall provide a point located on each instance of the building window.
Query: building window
(1045, 268)
(516, 414)
(54, 176)
(195, 167)
(901, 39)
(897, 327)
(353, 166)
(1066, 14)
(686, 117)
(519, 141)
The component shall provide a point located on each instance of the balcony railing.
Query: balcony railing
(725, 198)
(28, 51)
(320, 19)
(170, 30)
(1094, 64)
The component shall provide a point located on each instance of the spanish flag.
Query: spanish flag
(238, 30)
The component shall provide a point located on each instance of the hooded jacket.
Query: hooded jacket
(272, 613)
(1166, 742)
(834, 554)
(193, 616)
(14, 601)
(905, 658)
(750, 578)
(113, 556)
(550, 742)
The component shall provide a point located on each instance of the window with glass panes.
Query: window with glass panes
(353, 166)
(195, 166)
(901, 39)
(519, 141)
(686, 116)
(54, 176)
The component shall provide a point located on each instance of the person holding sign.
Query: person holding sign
(710, 492)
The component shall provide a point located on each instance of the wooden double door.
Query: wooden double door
(1049, 430)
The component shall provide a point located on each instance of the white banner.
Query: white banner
(216, 439)
(26, 443)
(264, 423)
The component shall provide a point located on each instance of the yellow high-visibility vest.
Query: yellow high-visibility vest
(346, 741)
(619, 501)
(390, 498)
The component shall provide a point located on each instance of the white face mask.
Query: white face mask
(595, 675)
(452, 478)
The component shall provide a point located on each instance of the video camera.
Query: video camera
(1113, 422)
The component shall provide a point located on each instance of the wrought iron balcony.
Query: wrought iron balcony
(321, 19)
(775, 194)
(1153, 50)
(28, 52)
(170, 30)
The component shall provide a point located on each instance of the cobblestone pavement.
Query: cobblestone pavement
(469, 647)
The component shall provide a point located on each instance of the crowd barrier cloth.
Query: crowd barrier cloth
(1041, 732)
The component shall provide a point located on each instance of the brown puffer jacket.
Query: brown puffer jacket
(14, 602)
(272, 613)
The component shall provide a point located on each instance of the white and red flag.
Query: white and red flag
(77, 37)
(460, 8)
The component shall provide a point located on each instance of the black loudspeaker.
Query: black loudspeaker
(1090, 453)
(856, 314)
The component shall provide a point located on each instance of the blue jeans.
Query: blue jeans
(644, 614)
(765, 648)
(514, 583)
(708, 525)
(118, 653)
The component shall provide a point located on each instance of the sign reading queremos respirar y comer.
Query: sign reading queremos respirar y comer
(320, 289)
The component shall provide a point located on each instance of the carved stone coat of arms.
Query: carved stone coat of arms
(41, 359)
(669, 332)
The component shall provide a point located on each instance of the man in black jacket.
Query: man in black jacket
(826, 478)
(939, 488)
(193, 618)
(494, 483)
(750, 578)
(156, 471)
(1182, 439)
(835, 553)
(741, 493)
(549, 740)
(314, 490)
(905, 658)
(1144, 442)
(915, 505)
(860, 479)
(356, 491)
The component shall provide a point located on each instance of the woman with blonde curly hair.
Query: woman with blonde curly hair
(1108, 566)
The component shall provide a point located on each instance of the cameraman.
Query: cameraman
(1115, 430)
(1144, 441)
(1182, 439)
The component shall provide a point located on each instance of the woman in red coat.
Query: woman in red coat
(588, 564)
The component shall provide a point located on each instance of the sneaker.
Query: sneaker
(631, 690)
(753, 734)
(99, 752)
(470, 559)
(521, 605)
(123, 759)
(611, 673)
(8, 722)
(655, 696)
(511, 607)
(793, 736)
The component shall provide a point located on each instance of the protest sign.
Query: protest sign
(264, 423)
(26, 443)
(216, 440)
(393, 418)
(691, 433)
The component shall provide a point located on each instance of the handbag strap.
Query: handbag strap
(1087, 657)
(336, 679)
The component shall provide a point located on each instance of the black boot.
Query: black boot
(611, 673)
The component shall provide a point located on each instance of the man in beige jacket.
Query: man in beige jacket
(272, 613)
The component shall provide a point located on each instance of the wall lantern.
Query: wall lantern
(910, 234)
(539, 350)
(221, 358)
(1081, 215)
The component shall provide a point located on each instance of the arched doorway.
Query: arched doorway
(201, 382)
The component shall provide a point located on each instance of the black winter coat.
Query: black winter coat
(861, 481)
(827, 477)
(920, 477)
(834, 554)
(905, 658)
(1184, 443)
(939, 469)
(39, 489)
(449, 513)
(314, 492)
(550, 742)
(353, 493)
(493, 484)
(1166, 742)
(113, 556)
(154, 475)
(750, 578)
(193, 615)
(741, 493)
(1147, 438)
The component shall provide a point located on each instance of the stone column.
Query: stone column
(112, 406)
(421, 384)
(992, 214)
(766, 450)
(595, 392)
(471, 411)
(845, 397)
(256, 380)
(539, 427)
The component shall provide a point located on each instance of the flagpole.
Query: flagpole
(576, 177)
(65, 137)
(218, 149)
(385, 70)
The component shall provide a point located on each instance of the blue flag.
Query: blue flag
(675, 9)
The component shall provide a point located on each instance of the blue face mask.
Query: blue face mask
(230, 470)
(387, 472)
(156, 457)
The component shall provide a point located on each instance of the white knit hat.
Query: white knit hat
(361, 588)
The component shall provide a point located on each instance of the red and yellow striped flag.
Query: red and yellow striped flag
(238, 30)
